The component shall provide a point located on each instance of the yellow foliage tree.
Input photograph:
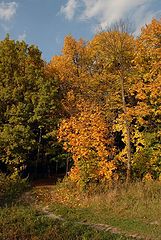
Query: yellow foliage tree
(147, 88)
(87, 137)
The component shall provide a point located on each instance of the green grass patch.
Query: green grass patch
(21, 223)
(133, 209)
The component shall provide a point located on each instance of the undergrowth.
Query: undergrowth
(11, 188)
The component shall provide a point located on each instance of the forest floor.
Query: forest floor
(120, 214)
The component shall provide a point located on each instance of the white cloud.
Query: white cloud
(107, 12)
(69, 9)
(22, 37)
(7, 10)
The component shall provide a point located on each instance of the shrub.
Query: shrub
(11, 188)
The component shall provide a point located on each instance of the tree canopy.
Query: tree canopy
(99, 100)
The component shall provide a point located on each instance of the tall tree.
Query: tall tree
(25, 103)
(99, 72)
(147, 87)
(115, 49)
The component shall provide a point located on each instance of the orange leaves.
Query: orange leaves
(149, 47)
(84, 131)
(85, 136)
(148, 63)
(69, 64)
(150, 35)
(118, 76)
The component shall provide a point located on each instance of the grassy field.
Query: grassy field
(135, 209)
(130, 211)
(24, 223)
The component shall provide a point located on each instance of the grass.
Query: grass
(19, 222)
(22, 218)
(136, 209)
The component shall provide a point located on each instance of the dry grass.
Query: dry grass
(136, 208)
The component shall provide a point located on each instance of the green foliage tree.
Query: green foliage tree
(28, 102)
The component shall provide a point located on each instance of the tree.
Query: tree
(147, 87)
(115, 49)
(99, 72)
(87, 136)
(26, 103)
(121, 76)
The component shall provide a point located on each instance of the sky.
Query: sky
(45, 23)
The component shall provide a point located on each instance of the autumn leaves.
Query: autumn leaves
(105, 95)
(112, 85)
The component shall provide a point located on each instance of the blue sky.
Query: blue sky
(46, 22)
